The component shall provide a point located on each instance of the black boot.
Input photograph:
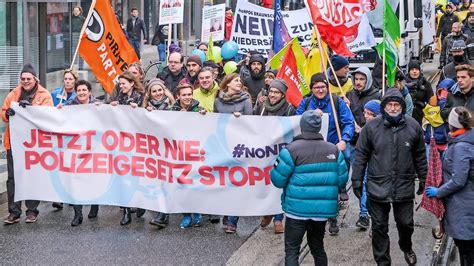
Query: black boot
(58, 205)
(77, 220)
(161, 220)
(93, 211)
(140, 212)
(127, 217)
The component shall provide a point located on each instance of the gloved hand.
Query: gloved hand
(357, 192)
(24, 103)
(431, 192)
(9, 112)
(421, 188)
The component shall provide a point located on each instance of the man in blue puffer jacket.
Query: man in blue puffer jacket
(310, 171)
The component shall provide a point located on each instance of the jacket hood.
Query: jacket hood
(393, 94)
(257, 58)
(466, 137)
(366, 72)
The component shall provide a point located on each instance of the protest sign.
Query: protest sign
(104, 46)
(213, 21)
(253, 28)
(173, 162)
(171, 11)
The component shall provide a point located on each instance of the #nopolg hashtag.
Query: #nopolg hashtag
(238, 150)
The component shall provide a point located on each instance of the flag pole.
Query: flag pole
(333, 108)
(383, 54)
(170, 30)
(83, 29)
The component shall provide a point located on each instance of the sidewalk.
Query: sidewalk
(351, 246)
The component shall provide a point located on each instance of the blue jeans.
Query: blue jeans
(161, 52)
(232, 220)
(136, 46)
(278, 217)
(363, 199)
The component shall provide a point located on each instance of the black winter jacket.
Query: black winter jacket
(393, 157)
(171, 81)
(420, 92)
(445, 56)
(358, 100)
(458, 99)
(135, 32)
(445, 24)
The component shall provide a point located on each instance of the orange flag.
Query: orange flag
(104, 46)
(289, 73)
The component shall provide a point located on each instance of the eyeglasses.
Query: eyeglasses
(320, 88)
(274, 92)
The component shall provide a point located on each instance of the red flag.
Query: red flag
(338, 21)
(289, 73)
(433, 179)
(104, 46)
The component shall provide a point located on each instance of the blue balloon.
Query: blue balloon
(199, 53)
(229, 50)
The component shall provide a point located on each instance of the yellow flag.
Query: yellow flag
(313, 64)
(210, 45)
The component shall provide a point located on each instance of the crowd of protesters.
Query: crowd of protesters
(380, 132)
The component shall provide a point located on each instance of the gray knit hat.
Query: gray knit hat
(279, 84)
(310, 122)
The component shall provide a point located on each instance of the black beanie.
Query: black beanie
(414, 64)
(318, 77)
(28, 68)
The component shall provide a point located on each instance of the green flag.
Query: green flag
(390, 43)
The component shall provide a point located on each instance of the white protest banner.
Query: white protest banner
(429, 17)
(365, 39)
(213, 21)
(173, 162)
(253, 28)
(171, 11)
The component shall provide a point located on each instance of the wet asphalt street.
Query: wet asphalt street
(103, 241)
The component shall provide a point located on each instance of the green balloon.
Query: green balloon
(230, 67)
(216, 53)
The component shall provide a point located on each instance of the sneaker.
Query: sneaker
(266, 220)
(230, 229)
(12, 219)
(197, 219)
(31, 218)
(186, 222)
(214, 219)
(333, 227)
(160, 220)
(410, 257)
(363, 223)
(278, 226)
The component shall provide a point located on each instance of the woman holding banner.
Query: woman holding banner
(83, 90)
(131, 93)
(232, 98)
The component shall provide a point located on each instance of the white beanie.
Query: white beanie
(453, 119)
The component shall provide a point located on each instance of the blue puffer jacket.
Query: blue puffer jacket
(344, 115)
(310, 171)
